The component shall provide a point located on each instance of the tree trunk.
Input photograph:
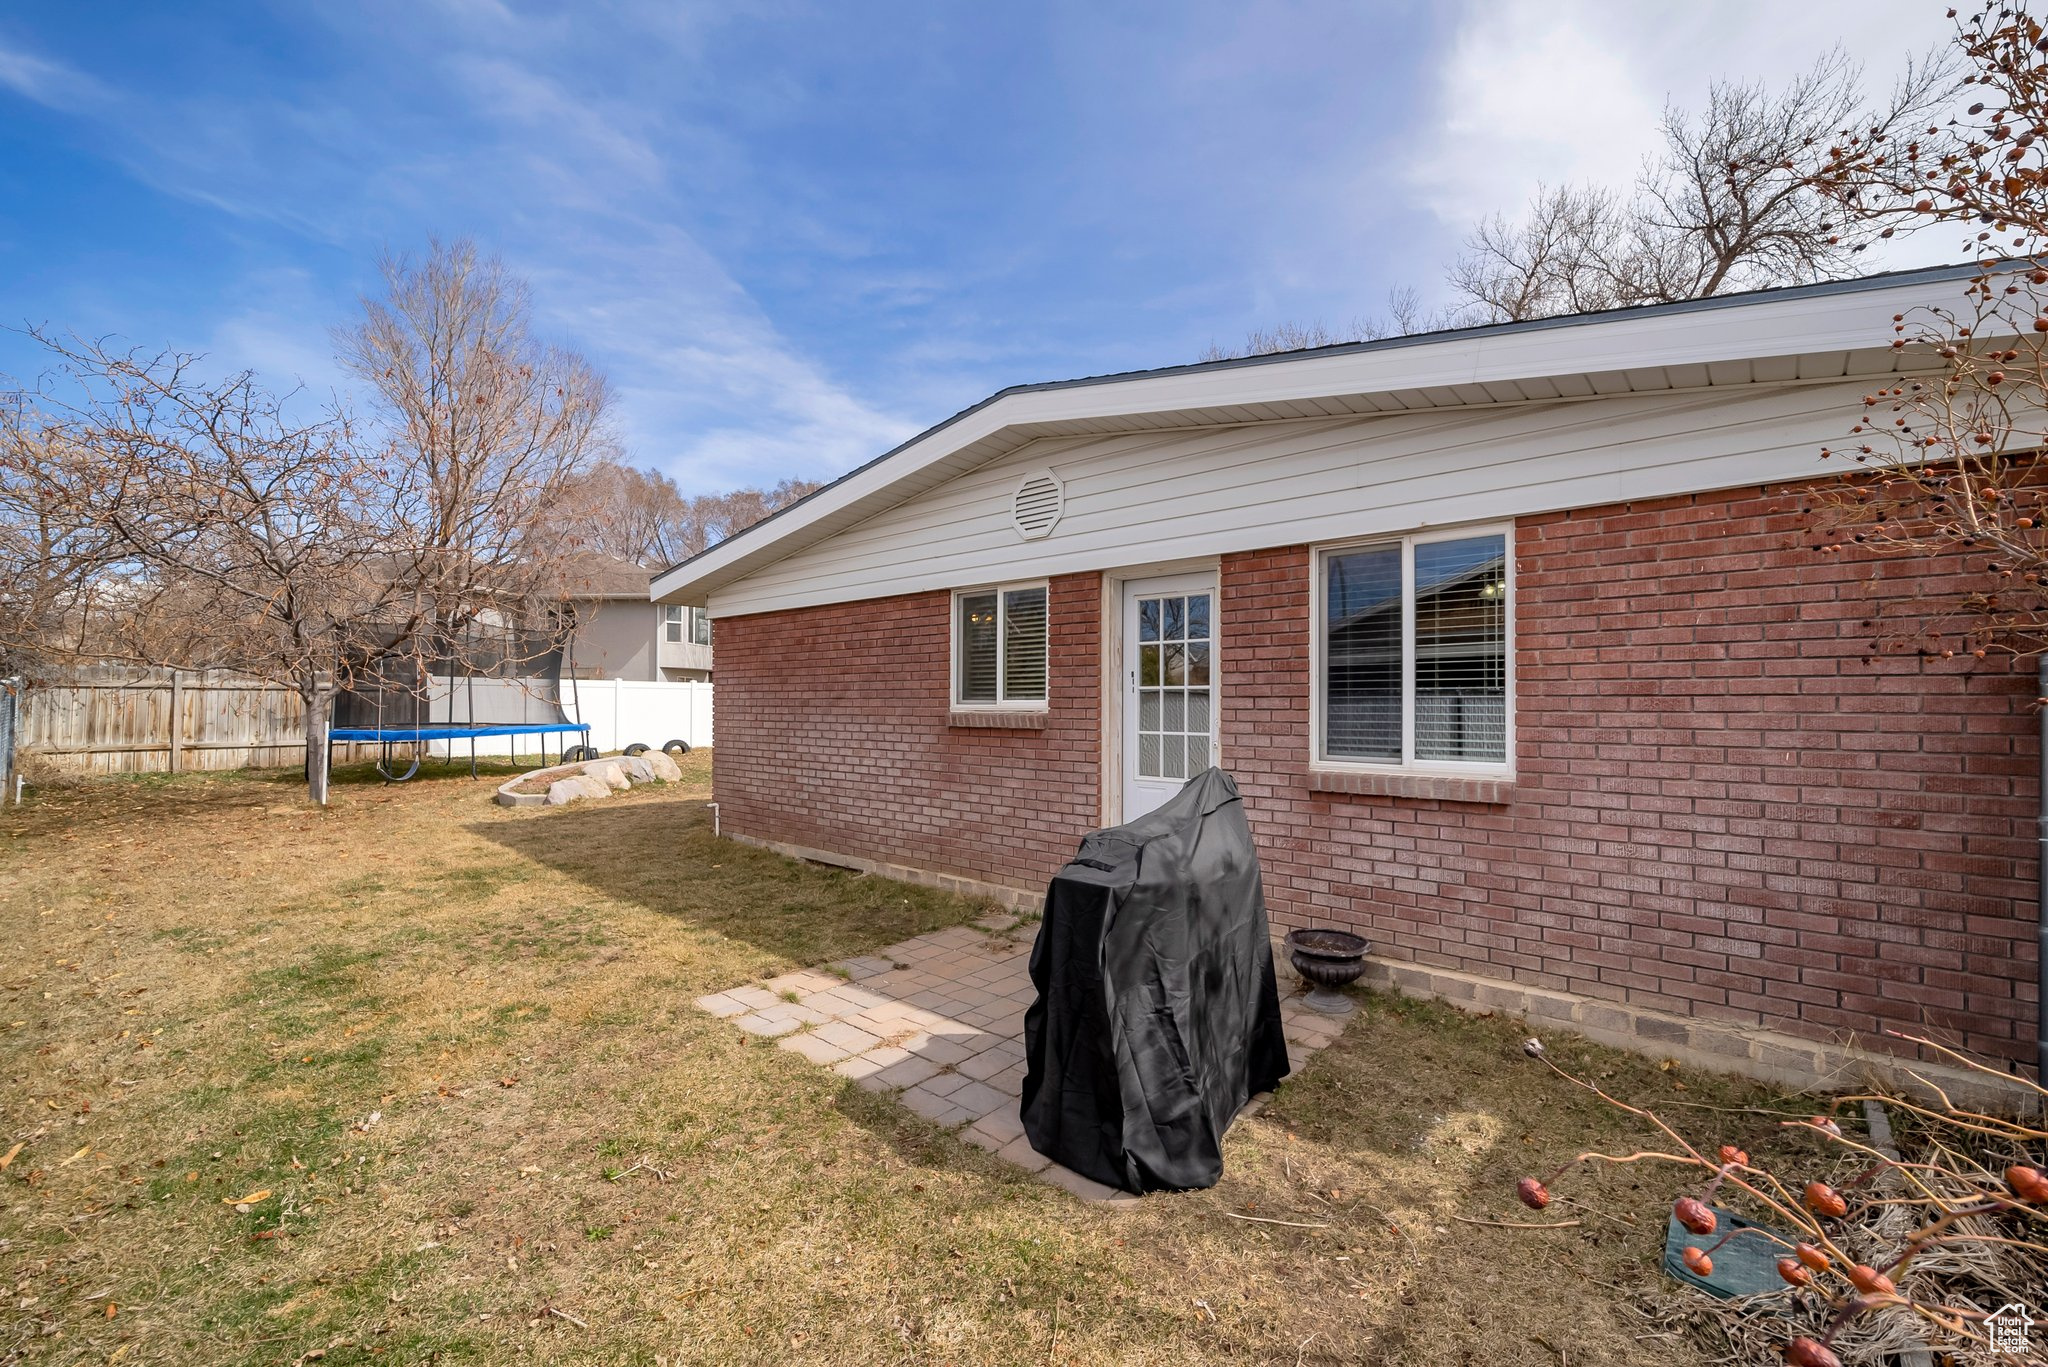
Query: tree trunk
(319, 699)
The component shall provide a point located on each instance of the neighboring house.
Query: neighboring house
(1507, 634)
(620, 635)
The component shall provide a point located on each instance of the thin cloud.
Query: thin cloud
(49, 83)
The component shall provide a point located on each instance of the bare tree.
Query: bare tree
(640, 515)
(1405, 316)
(1728, 205)
(486, 429)
(153, 515)
(159, 517)
(1561, 256)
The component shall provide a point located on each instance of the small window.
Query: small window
(999, 647)
(700, 627)
(672, 625)
(1412, 645)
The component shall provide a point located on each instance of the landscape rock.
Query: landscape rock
(574, 787)
(637, 768)
(664, 768)
(609, 773)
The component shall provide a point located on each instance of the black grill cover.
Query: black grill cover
(1157, 1015)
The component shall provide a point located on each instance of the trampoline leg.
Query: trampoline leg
(472, 758)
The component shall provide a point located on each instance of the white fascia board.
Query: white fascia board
(1826, 319)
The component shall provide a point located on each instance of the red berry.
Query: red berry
(1698, 1261)
(2029, 1184)
(1694, 1215)
(1793, 1273)
(1731, 1154)
(1532, 1193)
(1870, 1281)
(1806, 1352)
(1823, 1199)
(1812, 1257)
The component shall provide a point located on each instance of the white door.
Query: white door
(1169, 697)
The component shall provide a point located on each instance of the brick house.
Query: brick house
(1507, 635)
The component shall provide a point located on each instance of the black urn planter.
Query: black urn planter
(1328, 959)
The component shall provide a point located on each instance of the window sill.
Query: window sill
(1497, 791)
(998, 718)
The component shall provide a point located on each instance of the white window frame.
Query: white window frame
(1318, 649)
(1001, 704)
(672, 620)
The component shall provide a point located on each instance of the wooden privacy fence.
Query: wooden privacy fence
(113, 720)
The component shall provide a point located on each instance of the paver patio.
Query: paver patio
(939, 1020)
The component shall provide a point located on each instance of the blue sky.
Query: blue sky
(794, 234)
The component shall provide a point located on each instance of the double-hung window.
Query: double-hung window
(999, 647)
(1413, 653)
(672, 624)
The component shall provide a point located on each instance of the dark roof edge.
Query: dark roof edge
(1819, 289)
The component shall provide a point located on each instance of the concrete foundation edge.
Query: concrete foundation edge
(1722, 1046)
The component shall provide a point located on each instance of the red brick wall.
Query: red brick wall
(1719, 809)
(832, 734)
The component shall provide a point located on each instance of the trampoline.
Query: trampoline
(483, 682)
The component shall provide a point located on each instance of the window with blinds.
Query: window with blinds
(1413, 652)
(1000, 647)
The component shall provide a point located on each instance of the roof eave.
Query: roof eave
(1823, 319)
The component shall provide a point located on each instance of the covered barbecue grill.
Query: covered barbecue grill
(1157, 1015)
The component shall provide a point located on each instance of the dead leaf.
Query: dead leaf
(251, 1199)
(76, 1156)
(8, 1157)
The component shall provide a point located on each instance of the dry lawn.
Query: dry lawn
(445, 1051)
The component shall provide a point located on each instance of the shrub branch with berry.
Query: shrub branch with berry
(1945, 1239)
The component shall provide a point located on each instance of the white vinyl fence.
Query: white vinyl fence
(619, 711)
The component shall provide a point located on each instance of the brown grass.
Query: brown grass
(455, 1044)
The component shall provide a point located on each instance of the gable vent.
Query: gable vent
(1037, 504)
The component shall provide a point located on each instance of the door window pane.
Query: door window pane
(1362, 664)
(1174, 707)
